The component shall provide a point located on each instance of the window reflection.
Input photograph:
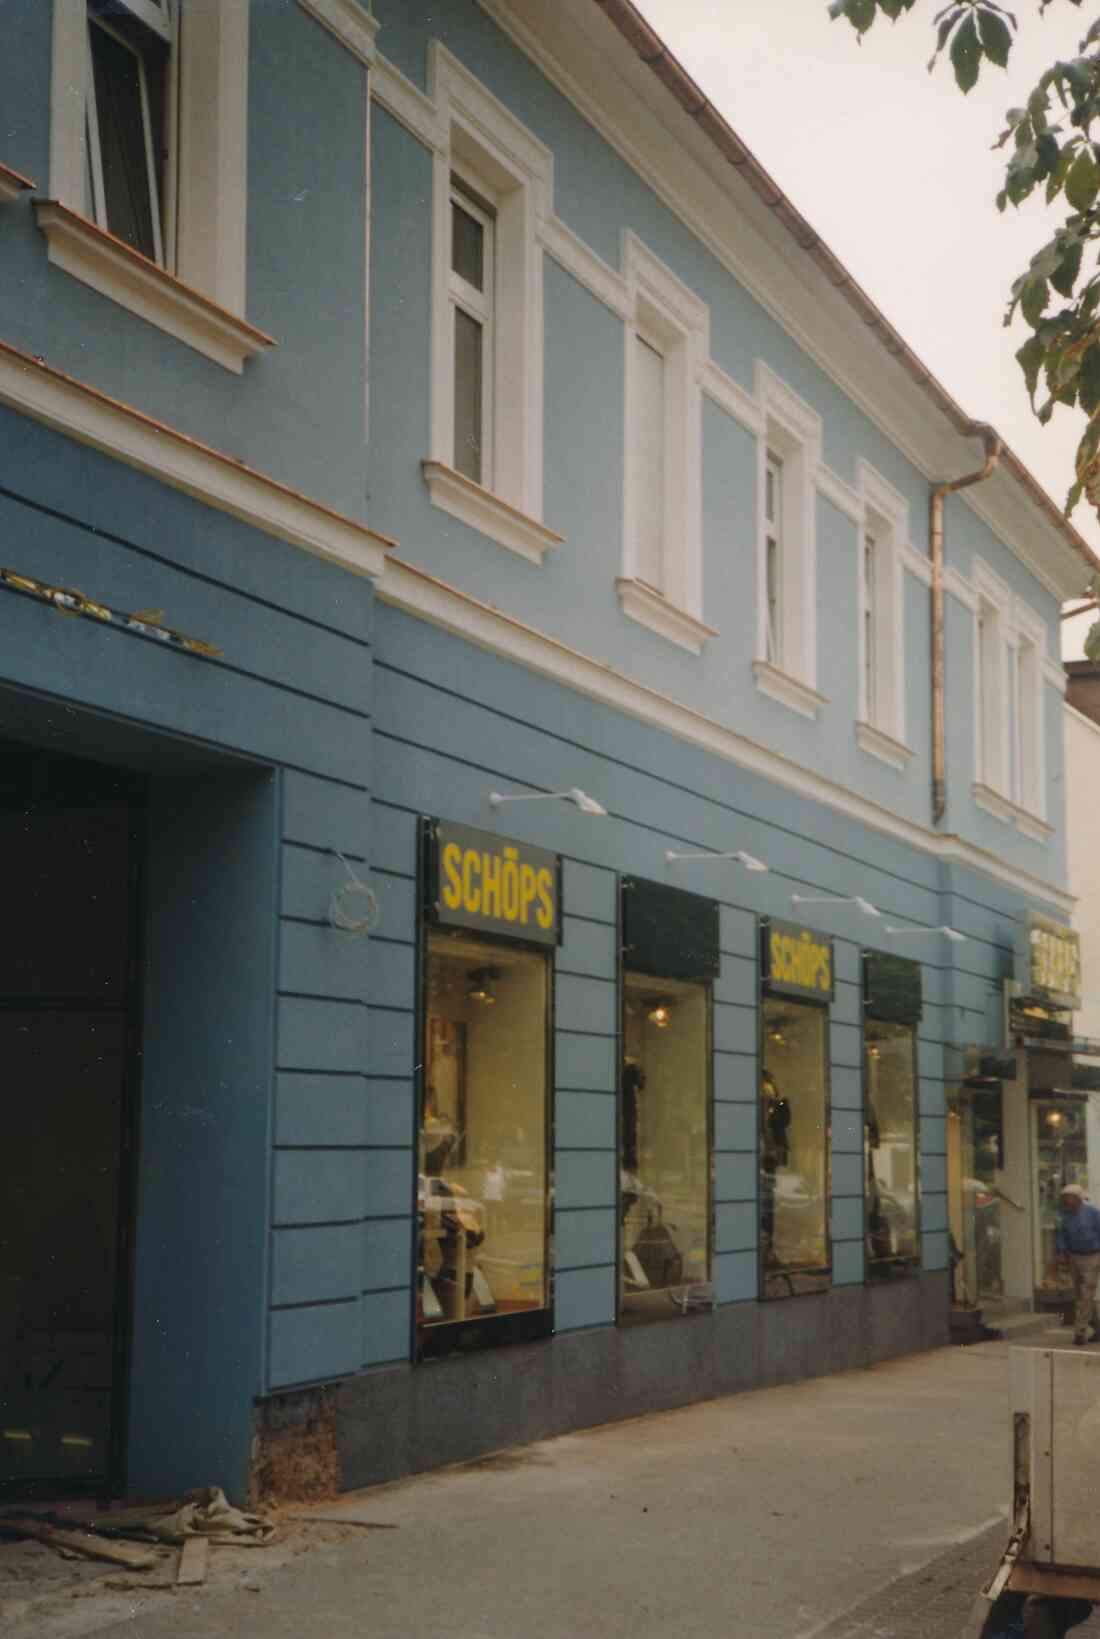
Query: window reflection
(891, 1197)
(665, 1172)
(482, 1196)
(794, 1148)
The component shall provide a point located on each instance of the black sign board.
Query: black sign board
(795, 961)
(891, 987)
(491, 884)
(668, 932)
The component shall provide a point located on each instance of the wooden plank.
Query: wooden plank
(1058, 1584)
(194, 1556)
(85, 1543)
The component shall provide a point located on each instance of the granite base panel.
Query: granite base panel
(403, 1420)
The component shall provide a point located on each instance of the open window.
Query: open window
(884, 537)
(128, 91)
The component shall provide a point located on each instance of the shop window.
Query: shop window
(665, 1183)
(670, 953)
(1060, 1146)
(795, 1249)
(892, 1009)
(483, 1199)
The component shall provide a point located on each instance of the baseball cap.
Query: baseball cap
(1072, 1189)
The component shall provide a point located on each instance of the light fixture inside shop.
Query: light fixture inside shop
(480, 988)
(747, 860)
(948, 933)
(863, 905)
(580, 799)
(659, 1014)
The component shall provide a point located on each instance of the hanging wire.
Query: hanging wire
(353, 907)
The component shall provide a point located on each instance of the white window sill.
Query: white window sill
(789, 691)
(13, 185)
(1010, 813)
(484, 511)
(98, 259)
(883, 746)
(641, 603)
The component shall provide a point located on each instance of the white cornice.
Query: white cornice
(590, 270)
(430, 599)
(1010, 813)
(789, 691)
(1054, 673)
(173, 458)
(650, 609)
(108, 265)
(960, 588)
(915, 562)
(351, 24)
(482, 510)
(730, 396)
(13, 185)
(397, 94)
(841, 494)
(883, 746)
(649, 130)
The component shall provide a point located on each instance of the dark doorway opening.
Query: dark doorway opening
(71, 834)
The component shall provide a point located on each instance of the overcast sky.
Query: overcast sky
(895, 169)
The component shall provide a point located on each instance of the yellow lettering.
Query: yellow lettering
(471, 895)
(544, 884)
(509, 885)
(526, 890)
(490, 885)
(452, 891)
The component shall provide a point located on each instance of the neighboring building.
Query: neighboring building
(558, 1140)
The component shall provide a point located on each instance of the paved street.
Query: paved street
(865, 1506)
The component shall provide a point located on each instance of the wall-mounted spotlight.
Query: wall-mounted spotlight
(586, 804)
(856, 899)
(948, 933)
(747, 860)
(659, 1014)
(480, 986)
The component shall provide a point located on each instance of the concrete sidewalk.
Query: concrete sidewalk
(768, 1514)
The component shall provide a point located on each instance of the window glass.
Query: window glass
(665, 1178)
(482, 1188)
(469, 404)
(467, 247)
(773, 503)
(890, 1129)
(794, 1148)
(125, 129)
(650, 464)
(870, 592)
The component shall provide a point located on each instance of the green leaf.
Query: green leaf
(995, 36)
(966, 54)
(947, 23)
(1033, 300)
(1075, 493)
(860, 13)
(1088, 381)
(1092, 640)
(1083, 181)
(1065, 277)
(1048, 153)
(1030, 359)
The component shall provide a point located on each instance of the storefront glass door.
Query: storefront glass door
(1060, 1152)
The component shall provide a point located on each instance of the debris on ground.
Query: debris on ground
(75, 1540)
(205, 1512)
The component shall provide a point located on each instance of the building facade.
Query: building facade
(552, 953)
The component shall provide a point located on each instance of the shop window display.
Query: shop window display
(890, 1148)
(665, 1173)
(794, 1148)
(1060, 1147)
(482, 1181)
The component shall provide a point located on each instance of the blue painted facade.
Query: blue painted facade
(275, 1217)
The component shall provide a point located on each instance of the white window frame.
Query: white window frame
(992, 754)
(1011, 642)
(199, 294)
(791, 442)
(477, 304)
(773, 558)
(478, 138)
(1030, 791)
(161, 21)
(880, 708)
(669, 317)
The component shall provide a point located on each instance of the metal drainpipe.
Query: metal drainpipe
(993, 447)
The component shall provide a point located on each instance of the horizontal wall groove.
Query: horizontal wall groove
(185, 570)
(576, 1268)
(316, 1303)
(326, 853)
(322, 996)
(594, 978)
(591, 1035)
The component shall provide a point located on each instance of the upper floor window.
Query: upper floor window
(870, 624)
(773, 557)
(651, 411)
(148, 158)
(130, 62)
(471, 292)
(1010, 641)
(882, 546)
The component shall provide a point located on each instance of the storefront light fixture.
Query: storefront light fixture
(856, 899)
(659, 1014)
(948, 933)
(581, 799)
(480, 988)
(747, 860)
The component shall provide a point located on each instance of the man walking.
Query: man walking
(1077, 1242)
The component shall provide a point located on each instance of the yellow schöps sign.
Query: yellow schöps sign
(483, 881)
(797, 960)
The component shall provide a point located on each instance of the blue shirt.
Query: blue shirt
(1078, 1231)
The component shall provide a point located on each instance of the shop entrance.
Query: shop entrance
(68, 1033)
